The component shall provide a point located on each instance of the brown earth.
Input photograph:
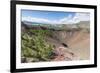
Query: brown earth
(78, 45)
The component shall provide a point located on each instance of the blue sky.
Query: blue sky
(52, 17)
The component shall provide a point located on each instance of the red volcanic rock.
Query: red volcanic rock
(63, 54)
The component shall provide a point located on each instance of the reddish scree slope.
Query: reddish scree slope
(79, 43)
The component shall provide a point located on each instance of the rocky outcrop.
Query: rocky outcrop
(64, 54)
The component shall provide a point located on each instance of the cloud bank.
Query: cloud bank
(66, 20)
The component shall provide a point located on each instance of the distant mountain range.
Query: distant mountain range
(81, 24)
(33, 23)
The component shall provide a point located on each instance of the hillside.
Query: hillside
(70, 42)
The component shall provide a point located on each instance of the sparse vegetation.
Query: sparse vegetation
(35, 46)
(38, 41)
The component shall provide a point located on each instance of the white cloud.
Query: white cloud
(40, 20)
(82, 16)
(66, 20)
(77, 18)
(32, 19)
